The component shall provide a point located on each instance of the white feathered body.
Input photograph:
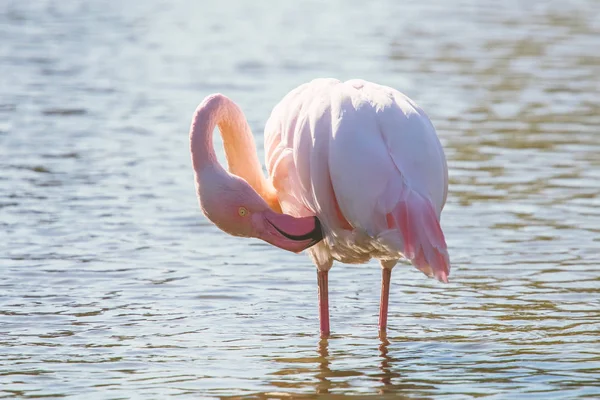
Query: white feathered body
(366, 160)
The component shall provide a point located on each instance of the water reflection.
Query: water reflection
(315, 371)
(324, 384)
(386, 366)
(112, 280)
(324, 372)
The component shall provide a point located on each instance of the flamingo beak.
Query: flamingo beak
(291, 233)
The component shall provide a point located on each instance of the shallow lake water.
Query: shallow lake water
(113, 285)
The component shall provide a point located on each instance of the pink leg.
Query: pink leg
(386, 275)
(323, 302)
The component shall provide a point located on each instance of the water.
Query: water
(113, 285)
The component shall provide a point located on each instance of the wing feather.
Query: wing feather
(370, 153)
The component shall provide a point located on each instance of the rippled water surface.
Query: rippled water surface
(113, 285)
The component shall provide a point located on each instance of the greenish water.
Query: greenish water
(113, 285)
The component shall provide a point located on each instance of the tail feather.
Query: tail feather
(423, 240)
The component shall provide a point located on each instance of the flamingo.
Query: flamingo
(355, 171)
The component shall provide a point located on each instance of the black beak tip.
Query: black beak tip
(315, 236)
(317, 233)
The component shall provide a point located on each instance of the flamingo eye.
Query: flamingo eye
(242, 211)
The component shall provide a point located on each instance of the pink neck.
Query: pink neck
(240, 149)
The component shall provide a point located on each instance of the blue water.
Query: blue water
(113, 285)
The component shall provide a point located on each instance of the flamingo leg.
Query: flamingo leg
(322, 280)
(386, 275)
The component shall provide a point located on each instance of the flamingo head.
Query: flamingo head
(236, 208)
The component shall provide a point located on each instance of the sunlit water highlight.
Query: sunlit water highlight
(112, 284)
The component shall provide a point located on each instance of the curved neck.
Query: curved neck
(240, 149)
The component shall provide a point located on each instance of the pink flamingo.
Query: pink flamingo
(356, 171)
